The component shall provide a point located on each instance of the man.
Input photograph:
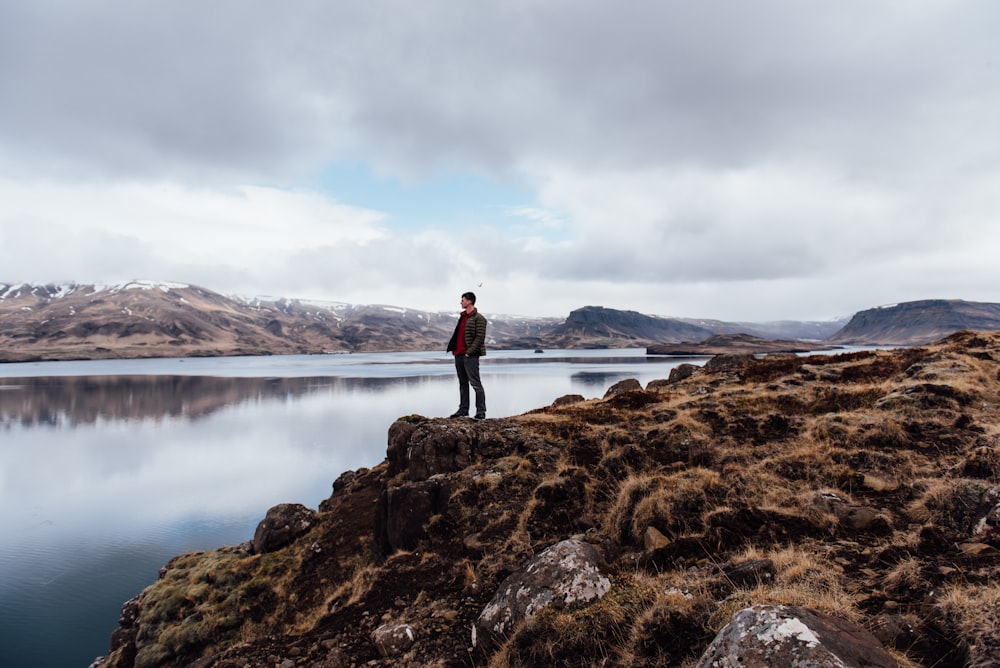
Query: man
(468, 343)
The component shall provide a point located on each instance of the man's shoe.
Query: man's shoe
(458, 414)
(480, 416)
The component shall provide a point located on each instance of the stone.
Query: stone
(568, 399)
(765, 636)
(682, 371)
(627, 385)
(653, 539)
(283, 523)
(393, 639)
(729, 362)
(566, 573)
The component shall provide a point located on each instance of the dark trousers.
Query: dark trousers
(467, 369)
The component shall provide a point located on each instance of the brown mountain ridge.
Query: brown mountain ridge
(149, 319)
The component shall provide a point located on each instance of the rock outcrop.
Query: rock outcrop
(282, 524)
(833, 510)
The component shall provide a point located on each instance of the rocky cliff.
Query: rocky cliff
(835, 510)
(918, 322)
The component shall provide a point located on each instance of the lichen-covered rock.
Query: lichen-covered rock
(393, 639)
(283, 523)
(765, 636)
(567, 572)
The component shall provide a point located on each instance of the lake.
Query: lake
(110, 468)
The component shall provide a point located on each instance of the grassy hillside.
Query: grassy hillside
(859, 485)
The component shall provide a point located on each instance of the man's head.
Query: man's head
(470, 296)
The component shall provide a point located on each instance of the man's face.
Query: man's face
(465, 303)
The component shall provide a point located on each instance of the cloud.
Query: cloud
(127, 230)
(666, 149)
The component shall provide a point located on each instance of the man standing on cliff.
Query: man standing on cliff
(468, 343)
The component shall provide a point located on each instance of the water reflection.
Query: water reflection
(594, 378)
(71, 401)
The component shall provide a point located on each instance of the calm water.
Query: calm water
(109, 468)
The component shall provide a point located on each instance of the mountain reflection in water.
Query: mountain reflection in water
(81, 400)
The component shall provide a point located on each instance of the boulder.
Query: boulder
(568, 399)
(729, 362)
(765, 636)
(682, 371)
(566, 573)
(393, 639)
(282, 524)
(627, 385)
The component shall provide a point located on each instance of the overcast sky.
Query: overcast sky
(724, 159)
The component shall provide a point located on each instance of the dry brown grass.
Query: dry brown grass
(802, 578)
(672, 503)
(974, 613)
(945, 500)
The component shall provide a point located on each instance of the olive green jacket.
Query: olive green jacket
(475, 335)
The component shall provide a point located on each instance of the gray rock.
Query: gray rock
(282, 524)
(566, 573)
(393, 639)
(766, 636)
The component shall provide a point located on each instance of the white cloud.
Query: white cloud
(682, 155)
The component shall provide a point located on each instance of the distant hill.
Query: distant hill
(150, 319)
(157, 319)
(917, 322)
(596, 326)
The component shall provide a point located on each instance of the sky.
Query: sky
(725, 159)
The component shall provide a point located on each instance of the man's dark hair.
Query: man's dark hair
(471, 296)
